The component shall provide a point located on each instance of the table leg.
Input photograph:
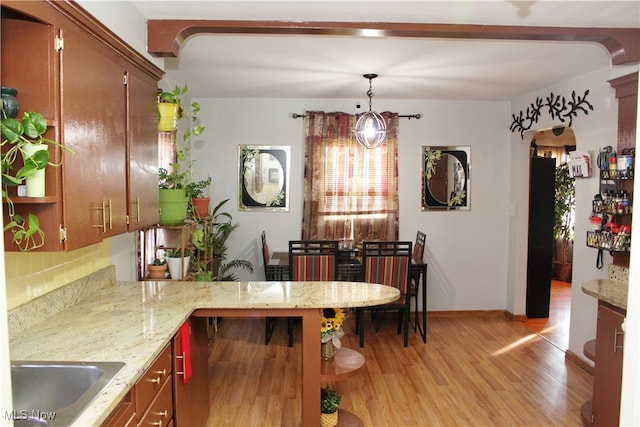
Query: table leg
(311, 367)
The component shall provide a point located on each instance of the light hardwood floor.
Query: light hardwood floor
(473, 371)
(555, 328)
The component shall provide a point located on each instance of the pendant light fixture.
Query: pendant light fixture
(371, 129)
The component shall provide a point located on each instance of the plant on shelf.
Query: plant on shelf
(564, 204)
(198, 195)
(26, 138)
(178, 262)
(175, 180)
(329, 403)
(212, 242)
(157, 269)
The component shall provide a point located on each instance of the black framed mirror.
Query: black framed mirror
(445, 177)
(263, 173)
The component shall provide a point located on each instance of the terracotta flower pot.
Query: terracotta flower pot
(157, 271)
(200, 206)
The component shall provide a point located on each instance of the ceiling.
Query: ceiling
(286, 66)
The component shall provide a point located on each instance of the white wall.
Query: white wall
(597, 129)
(466, 251)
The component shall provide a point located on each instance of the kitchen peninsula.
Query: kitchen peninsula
(133, 322)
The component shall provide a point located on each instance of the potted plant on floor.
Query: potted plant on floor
(157, 269)
(174, 180)
(25, 138)
(329, 403)
(564, 204)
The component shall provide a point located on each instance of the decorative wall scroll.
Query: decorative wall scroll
(558, 106)
(263, 173)
(445, 178)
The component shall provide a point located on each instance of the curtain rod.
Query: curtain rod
(405, 116)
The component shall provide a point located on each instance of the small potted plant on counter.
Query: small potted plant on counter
(157, 269)
(329, 402)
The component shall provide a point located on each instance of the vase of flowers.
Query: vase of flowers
(331, 331)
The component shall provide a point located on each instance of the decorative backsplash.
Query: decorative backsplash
(41, 308)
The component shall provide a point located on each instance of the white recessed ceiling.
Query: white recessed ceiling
(284, 66)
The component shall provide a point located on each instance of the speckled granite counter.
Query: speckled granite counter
(132, 322)
(612, 290)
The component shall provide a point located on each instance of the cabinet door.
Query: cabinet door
(93, 117)
(142, 150)
(191, 399)
(607, 376)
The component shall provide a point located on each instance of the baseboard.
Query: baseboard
(466, 313)
(570, 356)
(515, 317)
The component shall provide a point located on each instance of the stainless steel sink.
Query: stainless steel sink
(55, 393)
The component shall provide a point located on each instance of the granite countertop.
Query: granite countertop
(132, 322)
(611, 291)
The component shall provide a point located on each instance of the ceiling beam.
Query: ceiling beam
(166, 36)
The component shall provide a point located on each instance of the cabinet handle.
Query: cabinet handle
(163, 414)
(184, 367)
(138, 208)
(617, 346)
(157, 423)
(110, 216)
(104, 218)
(156, 380)
(162, 373)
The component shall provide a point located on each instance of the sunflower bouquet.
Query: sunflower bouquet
(331, 326)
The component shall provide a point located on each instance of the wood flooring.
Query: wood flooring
(473, 371)
(555, 328)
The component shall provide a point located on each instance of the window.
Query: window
(350, 192)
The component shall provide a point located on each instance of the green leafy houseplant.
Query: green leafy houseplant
(329, 400)
(17, 136)
(564, 204)
(213, 244)
(196, 189)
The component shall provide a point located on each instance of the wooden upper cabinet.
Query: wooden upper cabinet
(99, 98)
(142, 150)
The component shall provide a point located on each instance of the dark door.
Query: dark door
(539, 259)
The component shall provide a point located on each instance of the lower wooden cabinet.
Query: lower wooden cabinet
(604, 409)
(161, 397)
(124, 415)
(191, 398)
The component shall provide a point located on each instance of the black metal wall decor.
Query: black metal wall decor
(559, 107)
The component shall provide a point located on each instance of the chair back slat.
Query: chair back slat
(313, 260)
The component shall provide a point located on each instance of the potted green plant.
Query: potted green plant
(329, 403)
(196, 192)
(178, 262)
(25, 137)
(564, 204)
(170, 108)
(211, 241)
(157, 269)
(173, 181)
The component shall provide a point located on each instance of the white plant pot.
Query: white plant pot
(176, 264)
(35, 183)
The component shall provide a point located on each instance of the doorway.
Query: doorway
(548, 299)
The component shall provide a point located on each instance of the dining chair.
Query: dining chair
(387, 263)
(311, 260)
(417, 271)
(272, 272)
